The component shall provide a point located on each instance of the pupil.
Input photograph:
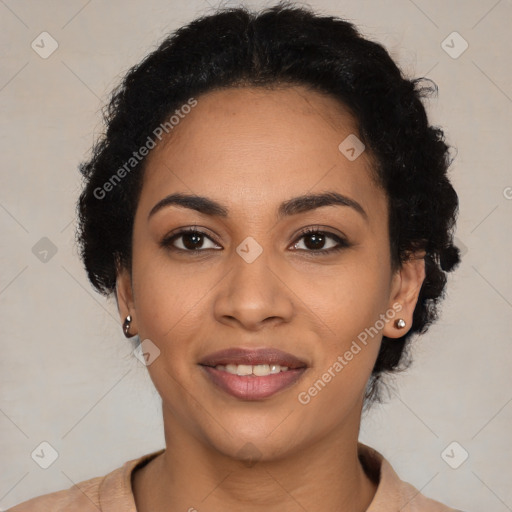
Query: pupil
(318, 241)
(195, 244)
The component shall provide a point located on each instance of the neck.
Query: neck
(326, 475)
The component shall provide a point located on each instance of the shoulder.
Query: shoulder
(82, 497)
(110, 492)
(392, 492)
(415, 501)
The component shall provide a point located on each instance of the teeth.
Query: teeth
(259, 370)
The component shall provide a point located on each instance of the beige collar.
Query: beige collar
(393, 495)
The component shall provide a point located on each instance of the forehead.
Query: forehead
(255, 144)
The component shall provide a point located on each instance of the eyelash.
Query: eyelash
(342, 243)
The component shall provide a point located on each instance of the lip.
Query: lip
(239, 355)
(252, 387)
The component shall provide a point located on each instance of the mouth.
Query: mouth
(252, 374)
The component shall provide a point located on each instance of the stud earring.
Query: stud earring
(400, 323)
(126, 326)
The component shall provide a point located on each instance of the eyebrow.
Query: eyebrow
(287, 208)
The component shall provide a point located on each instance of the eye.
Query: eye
(317, 241)
(189, 240)
(311, 240)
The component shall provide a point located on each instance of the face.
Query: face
(259, 268)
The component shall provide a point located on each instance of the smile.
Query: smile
(258, 370)
(251, 386)
(252, 374)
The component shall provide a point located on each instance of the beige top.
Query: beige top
(113, 492)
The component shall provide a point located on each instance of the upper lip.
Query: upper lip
(240, 355)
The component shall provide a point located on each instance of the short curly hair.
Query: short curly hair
(282, 45)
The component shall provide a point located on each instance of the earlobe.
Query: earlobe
(406, 288)
(125, 303)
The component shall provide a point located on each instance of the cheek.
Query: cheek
(170, 305)
(350, 302)
(172, 298)
(168, 301)
(349, 297)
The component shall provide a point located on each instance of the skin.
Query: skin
(250, 149)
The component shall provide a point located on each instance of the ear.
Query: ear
(405, 289)
(124, 298)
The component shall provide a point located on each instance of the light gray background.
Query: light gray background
(67, 373)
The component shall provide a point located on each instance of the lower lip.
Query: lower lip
(252, 387)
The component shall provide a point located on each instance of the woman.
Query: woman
(271, 209)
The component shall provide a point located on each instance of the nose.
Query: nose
(254, 295)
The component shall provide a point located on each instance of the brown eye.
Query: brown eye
(318, 241)
(315, 241)
(192, 241)
(189, 240)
